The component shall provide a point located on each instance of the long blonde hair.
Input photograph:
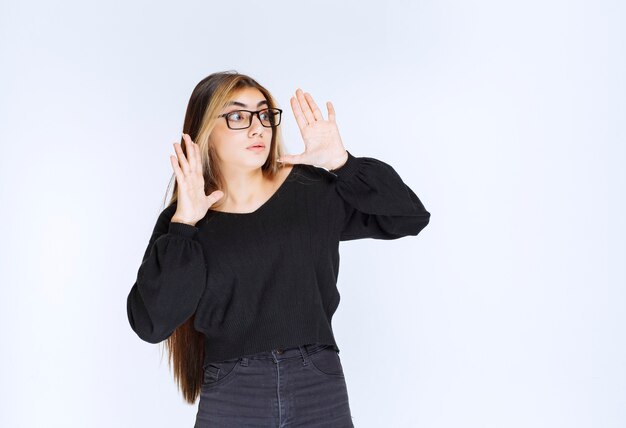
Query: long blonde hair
(186, 345)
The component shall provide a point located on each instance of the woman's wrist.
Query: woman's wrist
(179, 220)
(341, 162)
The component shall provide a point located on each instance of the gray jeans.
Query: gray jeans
(302, 386)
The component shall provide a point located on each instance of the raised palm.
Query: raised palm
(322, 142)
(193, 203)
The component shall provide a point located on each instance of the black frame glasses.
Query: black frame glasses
(276, 111)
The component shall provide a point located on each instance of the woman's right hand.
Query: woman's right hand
(192, 203)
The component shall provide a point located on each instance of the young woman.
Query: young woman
(239, 276)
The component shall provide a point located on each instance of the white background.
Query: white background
(506, 119)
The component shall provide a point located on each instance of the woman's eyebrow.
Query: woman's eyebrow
(237, 103)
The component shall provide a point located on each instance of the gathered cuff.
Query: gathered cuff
(182, 229)
(347, 169)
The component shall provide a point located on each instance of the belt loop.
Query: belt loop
(305, 355)
(243, 361)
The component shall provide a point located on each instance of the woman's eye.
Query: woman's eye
(235, 116)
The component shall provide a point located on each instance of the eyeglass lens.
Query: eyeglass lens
(241, 119)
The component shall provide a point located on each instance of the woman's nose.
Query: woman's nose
(256, 123)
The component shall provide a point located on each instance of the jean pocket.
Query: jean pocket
(326, 361)
(219, 372)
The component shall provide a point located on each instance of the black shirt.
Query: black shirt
(268, 279)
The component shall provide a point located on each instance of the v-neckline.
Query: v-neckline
(282, 185)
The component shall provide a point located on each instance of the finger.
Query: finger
(197, 157)
(182, 160)
(304, 106)
(215, 196)
(331, 111)
(191, 152)
(285, 159)
(179, 174)
(317, 113)
(297, 112)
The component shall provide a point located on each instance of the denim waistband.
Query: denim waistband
(284, 353)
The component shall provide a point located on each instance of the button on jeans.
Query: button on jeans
(302, 386)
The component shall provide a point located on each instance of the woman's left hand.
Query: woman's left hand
(323, 145)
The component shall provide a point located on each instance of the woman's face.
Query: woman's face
(232, 145)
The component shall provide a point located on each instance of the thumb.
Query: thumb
(290, 159)
(215, 196)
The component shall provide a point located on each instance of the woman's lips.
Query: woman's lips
(257, 147)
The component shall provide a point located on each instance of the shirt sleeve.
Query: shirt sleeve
(377, 203)
(170, 280)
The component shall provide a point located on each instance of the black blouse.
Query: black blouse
(268, 279)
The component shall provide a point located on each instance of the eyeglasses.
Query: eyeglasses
(242, 119)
